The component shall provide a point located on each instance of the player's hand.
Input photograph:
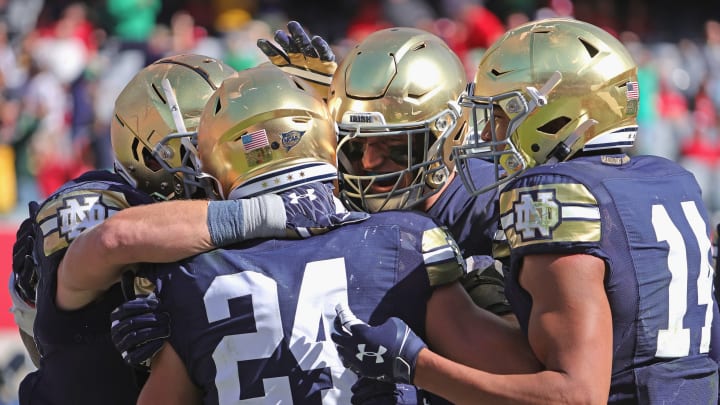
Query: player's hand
(368, 391)
(387, 352)
(309, 59)
(485, 283)
(311, 210)
(138, 330)
(24, 265)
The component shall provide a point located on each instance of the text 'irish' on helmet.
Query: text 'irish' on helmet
(562, 86)
(395, 100)
(151, 151)
(262, 132)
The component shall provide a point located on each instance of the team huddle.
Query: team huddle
(375, 231)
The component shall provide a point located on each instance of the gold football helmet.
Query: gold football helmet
(561, 86)
(150, 151)
(262, 132)
(394, 98)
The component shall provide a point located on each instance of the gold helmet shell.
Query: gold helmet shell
(262, 132)
(398, 82)
(143, 121)
(565, 85)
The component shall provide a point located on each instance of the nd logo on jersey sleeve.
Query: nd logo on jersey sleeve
(65, 217)
(561, 212)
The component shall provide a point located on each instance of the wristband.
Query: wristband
(232, 221)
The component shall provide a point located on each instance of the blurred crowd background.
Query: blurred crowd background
(62, 63)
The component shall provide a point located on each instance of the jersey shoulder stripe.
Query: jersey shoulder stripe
(442, 257)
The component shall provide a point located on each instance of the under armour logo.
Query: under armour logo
(378, 355)
(295, 198)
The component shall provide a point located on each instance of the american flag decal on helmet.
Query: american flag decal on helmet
(632, 90)
(255, 140)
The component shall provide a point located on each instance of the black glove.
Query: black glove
(309, 59)
(386, 352)
(485, 284)
(24, 264)
(138, 330)
(368, 391)
(311, 210)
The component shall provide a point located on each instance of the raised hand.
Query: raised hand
(297, 54)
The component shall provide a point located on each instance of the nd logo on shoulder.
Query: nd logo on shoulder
(539, 215)
(80, 213)
(561, 212)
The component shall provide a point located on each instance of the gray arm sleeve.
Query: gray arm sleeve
(232, 221)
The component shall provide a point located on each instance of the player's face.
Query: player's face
(498, 124)
(381, 155)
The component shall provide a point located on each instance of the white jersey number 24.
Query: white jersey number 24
(324, 284)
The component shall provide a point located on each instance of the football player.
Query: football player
(611, 275)
(151, 141)
(395, 100)
(252, 321)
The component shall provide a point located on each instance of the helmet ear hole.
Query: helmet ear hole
(555, 125)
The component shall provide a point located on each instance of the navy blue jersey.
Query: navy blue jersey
(79, 363)
(471, 220)
(645, 218)
(253, 321)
